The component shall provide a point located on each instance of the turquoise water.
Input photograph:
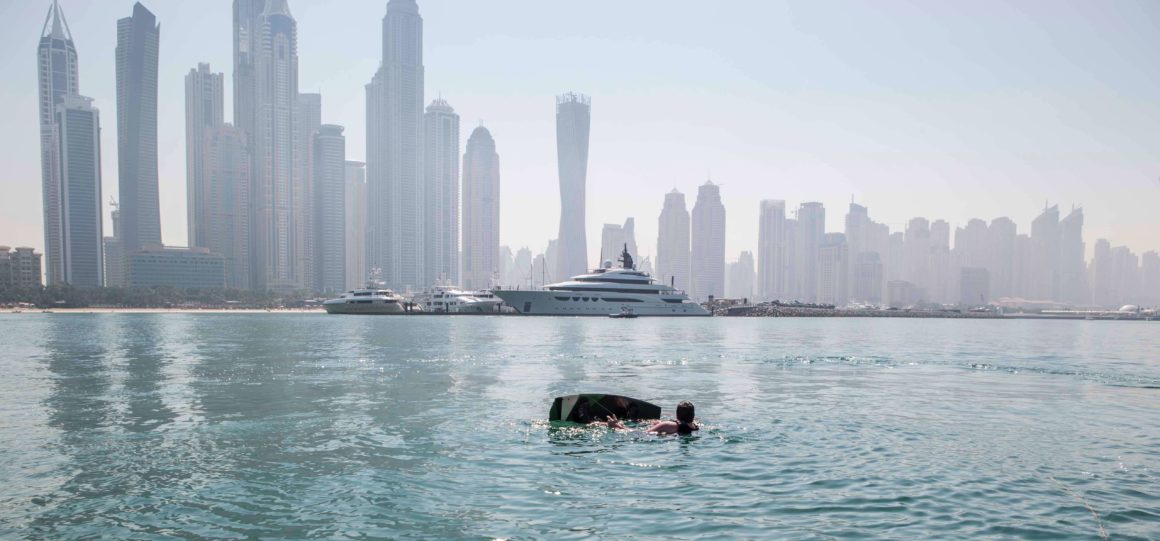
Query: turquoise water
(313, 426)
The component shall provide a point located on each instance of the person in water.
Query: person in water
(685, 423)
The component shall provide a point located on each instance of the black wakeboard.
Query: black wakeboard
(586, 408)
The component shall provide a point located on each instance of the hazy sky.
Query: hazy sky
(948, 110)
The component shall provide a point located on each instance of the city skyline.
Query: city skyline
(736, 186)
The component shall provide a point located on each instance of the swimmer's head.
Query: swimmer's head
(685, 412)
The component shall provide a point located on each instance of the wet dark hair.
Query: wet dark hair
(685, 415)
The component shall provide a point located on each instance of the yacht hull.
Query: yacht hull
(598, 304)
(365, 309)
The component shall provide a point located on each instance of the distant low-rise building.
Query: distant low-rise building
(900, 293)
(19, 268)
(181, 268)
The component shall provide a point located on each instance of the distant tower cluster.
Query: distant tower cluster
(274, 204)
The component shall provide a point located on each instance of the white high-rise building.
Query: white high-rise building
(673, 242)
(573, 123)
(857, 228)
(247, 33)
(1044, 270)
(356, 224)
(204, 112)
(138, 42)
(329, 214)
(1073, 287)
(917, 269)
(480, 210)
(307, 122)
(833, 273)
(708, 243)
(740, 279)
(56, 59)
(811, 231)
(441, 167)
(276, 262)
(395, 188)
(79, 136)
(771, 251)
(227, 168)
(1001, 257)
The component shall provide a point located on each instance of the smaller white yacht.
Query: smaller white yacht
(371, 300)
(448, 299)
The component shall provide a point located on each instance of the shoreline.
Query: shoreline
(736, 312)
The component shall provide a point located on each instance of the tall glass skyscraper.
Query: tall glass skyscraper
(573, 124)
(395, 187)
(441, 209)
(329, 209)
(204, 113)
(276, 261)
(673, 242)
(56, 59)
(79, 135)
(708, 243)
(138, 39)
(480, 210)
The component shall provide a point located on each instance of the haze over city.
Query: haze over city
(913, 109)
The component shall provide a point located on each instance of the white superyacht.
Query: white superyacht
(448, 299)
(604, 291)
(374, 299)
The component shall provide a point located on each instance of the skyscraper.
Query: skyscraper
(917, 269)
(858, 227)
(811, 231)
(56, 60)
(204, 111)
(866, 285)
(1103, 289)
(1150, 279)
(741, 275)
(307, 121)
(329, 214)
(247, 40)
(833, 273)
(673, 242)
(395, 153)
(441, 209)
(275, 262)
(228, 167)
(708, 243)
(356, 224)
(1073, 286)
(138, 39)
(480, 210)
(771, 254)
(573, 123)
(79, 133)
(1001, 257)
(1044, 270)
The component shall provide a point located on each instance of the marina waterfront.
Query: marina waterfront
(302, 425)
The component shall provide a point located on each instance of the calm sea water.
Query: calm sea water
(313, 426)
